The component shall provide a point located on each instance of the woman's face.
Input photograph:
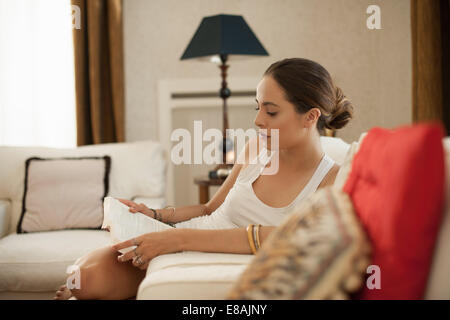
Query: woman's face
(275, 112)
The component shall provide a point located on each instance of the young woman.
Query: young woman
(297, 97)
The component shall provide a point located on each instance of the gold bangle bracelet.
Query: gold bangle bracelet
(258, 242)
(250, 238)
(254, 237)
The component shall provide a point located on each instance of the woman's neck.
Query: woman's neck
(303, 157)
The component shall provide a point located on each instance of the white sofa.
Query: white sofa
(33, 265)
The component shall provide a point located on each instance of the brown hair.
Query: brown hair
(309, 85)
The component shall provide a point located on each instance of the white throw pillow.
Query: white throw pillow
(346, 165)
(334, 147)
(64, 193)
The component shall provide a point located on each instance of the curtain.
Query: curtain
(99, 72)
(430, 30)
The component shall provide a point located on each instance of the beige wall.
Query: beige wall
(373, 67)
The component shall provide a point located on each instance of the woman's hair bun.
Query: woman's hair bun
(341, 113)
(307, 85)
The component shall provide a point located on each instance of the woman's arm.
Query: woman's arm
(188, 212)
(167, 215)
(182, 213)
(226, 241)
(151, 245)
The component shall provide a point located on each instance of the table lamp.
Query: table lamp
(218, 39)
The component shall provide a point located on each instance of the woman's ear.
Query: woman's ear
(312, 116)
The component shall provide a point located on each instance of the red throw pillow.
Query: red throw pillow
(397, 188)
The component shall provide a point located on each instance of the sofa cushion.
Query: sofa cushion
(396, 184)
(335, 147)
(346, 164)
(38, 261)
(64, 193)
(5, 207)
(192, 276)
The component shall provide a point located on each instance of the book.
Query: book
(124, 225)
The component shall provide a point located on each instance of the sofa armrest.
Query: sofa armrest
(191, 275)
(155, 203)
(5, 211)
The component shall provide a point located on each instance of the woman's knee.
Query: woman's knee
(95, 271)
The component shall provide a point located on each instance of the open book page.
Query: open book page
(124, 225)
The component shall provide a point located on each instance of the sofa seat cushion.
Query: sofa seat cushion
(192, 275)
(38, 261)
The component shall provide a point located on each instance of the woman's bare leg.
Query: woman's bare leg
(103, 277)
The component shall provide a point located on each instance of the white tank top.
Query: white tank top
(242, 207)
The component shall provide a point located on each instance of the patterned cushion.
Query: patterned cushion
(319, 252)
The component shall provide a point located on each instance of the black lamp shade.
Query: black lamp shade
(223, 35)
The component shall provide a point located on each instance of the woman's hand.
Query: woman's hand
(148, 246)
(134, 207)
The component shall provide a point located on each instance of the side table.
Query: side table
(204, 183)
